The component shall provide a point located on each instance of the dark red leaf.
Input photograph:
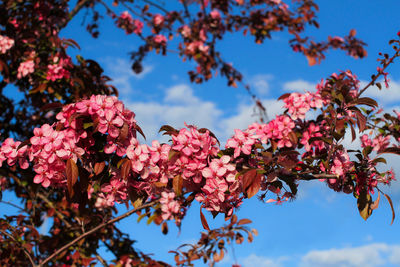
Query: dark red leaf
(99, 167)
(204, 221)
(72, 174)
(391, 206)
(177, 184)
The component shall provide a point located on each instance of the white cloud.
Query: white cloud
(385, 96)
(122, 73)
(298, 86)
(261, 83)
(377, 254)
(179, 105)
(260, 261)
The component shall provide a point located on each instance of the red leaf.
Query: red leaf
(204, 221)
(361, 120)
(125, 168)
(251, 182)
(244, 221)
(366, 101)
(375, 204)
(99, 167)
(284, 96)
(391, 206)
(72, 174)
(177, 184)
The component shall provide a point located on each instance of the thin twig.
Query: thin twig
(102, 261)
(95, 229)
(59, 214)
(26, 252)
(13, 205)
(74, 11)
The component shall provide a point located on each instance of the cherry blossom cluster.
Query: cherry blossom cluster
(49, 150)
(379, 143)
(5, 44)
(222, 189)
(59, 68)
(25, 68)
(299, 104)
(12, 153)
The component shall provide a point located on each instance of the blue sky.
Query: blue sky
(319, 228)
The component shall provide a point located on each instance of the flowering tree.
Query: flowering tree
(78, 153)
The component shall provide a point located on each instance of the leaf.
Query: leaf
(311, 60)
(353, 133)
(244, 221)
(168, 130)
(125, 168)
(38, 89)
(293, 137)
(177, 184)
(284, 96)
(51, 106)
(251, 182)
(391, 206)
(375, 204)
(393, 150)
(99, 167)
(72, 174)
(204, 221)
(361, 120)
(137, 127)
(123, 134)
(364, 204)
(164, 228)
(366, 101)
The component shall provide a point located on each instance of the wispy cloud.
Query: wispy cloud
(119, 69)
(298, 86)
(377, 254)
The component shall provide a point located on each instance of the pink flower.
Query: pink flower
(160, 39)
(241, 142)
(5, 44)
(158, 19)
(25, 68)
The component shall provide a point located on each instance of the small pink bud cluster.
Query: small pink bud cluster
(158, 19)
(5, 44)
(298, 104)
(160, 39)
(130, 25)
(25, 68)
(58, 70)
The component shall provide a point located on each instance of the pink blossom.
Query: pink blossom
(158, 19)
(25, 68)
(5, 44)
(160, 39)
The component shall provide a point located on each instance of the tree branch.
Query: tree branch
(26, 252)
(95, 229)
(74, 11)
